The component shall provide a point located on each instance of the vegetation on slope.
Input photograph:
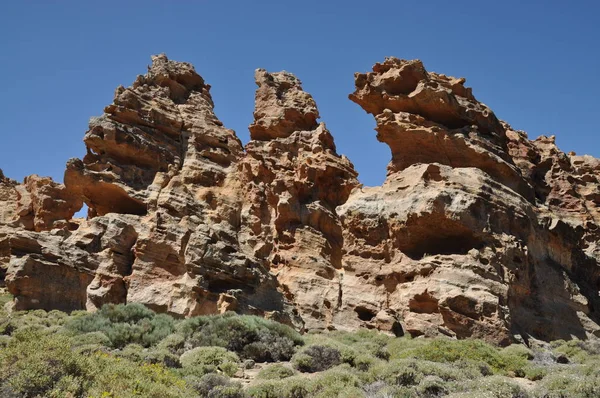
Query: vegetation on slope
(129, 351)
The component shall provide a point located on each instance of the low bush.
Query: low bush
(202, 360)
(125, 324)
(337, 382)
(91, 338)
(35, 364)
(316, 358)
(432, 386)
(162, 357)
(216, 386)
(174, 343)
(492, 387)
(340, 381)
(570, 381)
(269, 389)
(250, 337)
(578, 351)
(511, 360)
(364, 341)
(275, 372)
(118, 377)
(129, 351)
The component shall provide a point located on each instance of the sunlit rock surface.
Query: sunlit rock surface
(476, 232)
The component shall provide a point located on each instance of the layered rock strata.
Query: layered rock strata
(476, 232)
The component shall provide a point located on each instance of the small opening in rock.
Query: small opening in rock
(397, 329)
(434, 234)
(364, 314)
(423, 304)
(109, 198)
(82, 213)
(224, 285)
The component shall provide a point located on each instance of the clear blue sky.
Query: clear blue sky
(535, 63)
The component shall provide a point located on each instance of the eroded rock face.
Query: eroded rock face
(293, 181)
(8, 199)
(478, 229)
(8, 213)
(476, 232)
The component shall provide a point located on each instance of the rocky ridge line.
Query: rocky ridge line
(476, 232)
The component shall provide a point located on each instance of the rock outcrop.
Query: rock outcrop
(293, 181)
(463, 233)
(476, 232)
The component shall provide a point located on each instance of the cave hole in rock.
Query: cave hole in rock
(423, 303)
(397, 329)
(225, 285)
(431, 235)
(108, 198)
(364, 314)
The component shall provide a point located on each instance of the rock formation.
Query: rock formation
(476, 232)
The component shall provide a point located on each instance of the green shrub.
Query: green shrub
(203, 360)
(447, 350)
(275, 372)
(119, 377)
(125, 324)
(4, 340)
(249, 336)
(409, 372)
(174, 343)
(570, 381)
(267, 389)
(5, 298)
(217, 386)
(132, 352)
(492, 386)
(91, 338)
(513, 359)
(33, 364)
(535, 373)
(432, 386)
(578, 351)
(36, 364)
(162, 357)
(316, 358)
(336, 382)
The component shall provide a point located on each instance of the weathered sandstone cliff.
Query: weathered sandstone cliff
(477, 230)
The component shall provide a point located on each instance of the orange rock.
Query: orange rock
(476, 232)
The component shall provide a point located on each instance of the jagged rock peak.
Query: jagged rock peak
(427, 117)
(405, 86)
(162, 125)
(180, 77)
(282, 107)
(6, 180)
